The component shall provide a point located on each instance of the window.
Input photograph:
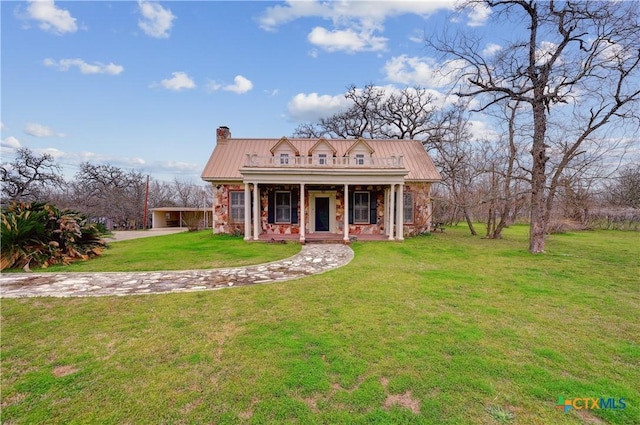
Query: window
(236, 207)
(361, 207)
(360, 159)
(283, 207)
(407, 207)
(284, 159)
(322, 158)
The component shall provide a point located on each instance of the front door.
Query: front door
(322, 214)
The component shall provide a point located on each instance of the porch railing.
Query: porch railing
(253, 160)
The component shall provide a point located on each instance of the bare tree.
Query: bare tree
(455, 157)
(625, 191)
(29, 177)
(188, 194)
(584, 55)
(110, 193)
(161, 194)
(505, 171)
(376, 113)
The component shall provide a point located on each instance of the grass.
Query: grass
(441, 329)
(180, 251)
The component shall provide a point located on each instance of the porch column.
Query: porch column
(302, 224)
(346, 213)
(386, 211)
(247, 212)
(392, 191)
(256, 212)
(400, 219)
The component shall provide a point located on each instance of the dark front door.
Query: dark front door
(322, 214)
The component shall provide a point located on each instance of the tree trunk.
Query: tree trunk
(539, 216)
(469, 222)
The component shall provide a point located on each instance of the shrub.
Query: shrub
(40, 234)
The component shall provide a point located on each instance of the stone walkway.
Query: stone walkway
(312, 259)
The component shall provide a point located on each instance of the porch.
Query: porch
(319, 237)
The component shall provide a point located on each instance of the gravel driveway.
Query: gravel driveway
(123, 235)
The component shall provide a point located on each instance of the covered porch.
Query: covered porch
(312, 212)
(319, 238)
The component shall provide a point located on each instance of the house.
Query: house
(303, 188)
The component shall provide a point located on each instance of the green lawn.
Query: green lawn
(442, 329)
(180, 251)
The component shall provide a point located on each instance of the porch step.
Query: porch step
(325, 241)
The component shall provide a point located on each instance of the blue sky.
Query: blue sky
(145, 84)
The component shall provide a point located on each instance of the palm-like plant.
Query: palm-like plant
(42, 234)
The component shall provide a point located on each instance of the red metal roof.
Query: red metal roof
(229, 155)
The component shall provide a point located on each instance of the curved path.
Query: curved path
(312, 259)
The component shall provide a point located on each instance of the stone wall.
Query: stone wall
(421, 200)
(422, 209)
(221, 212)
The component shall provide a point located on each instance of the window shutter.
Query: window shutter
(351, 202)
(373, 207)
(271, 206)
(294, 207)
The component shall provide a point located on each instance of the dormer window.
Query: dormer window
(360, 159)
(322, 159)
(284, 159)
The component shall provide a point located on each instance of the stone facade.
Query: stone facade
(421, 210)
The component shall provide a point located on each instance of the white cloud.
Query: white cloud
(84, 67)
(213, 86)
(347, 12)
(179, 81)
(176, 167)
(310, 107)
(240, 85)
(478, 14)
(51, 19)
(545, 52)
(39, 130)
(481, 131)
(10, 143)
(347, 40)
(156, 20)
(356, 24)
(424, 72)
(491, 49)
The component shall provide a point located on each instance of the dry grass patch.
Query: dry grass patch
(60, 371)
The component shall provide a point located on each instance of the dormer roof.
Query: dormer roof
(284, 141)
(322, 142)
(359, 142)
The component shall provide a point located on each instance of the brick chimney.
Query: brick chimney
(223, 133)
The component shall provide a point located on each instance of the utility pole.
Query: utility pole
(146, 205)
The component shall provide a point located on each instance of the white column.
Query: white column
(391, 206)
(400, 219)
(301, 220)
(346, 213)
(256, 212)
(247, 212)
